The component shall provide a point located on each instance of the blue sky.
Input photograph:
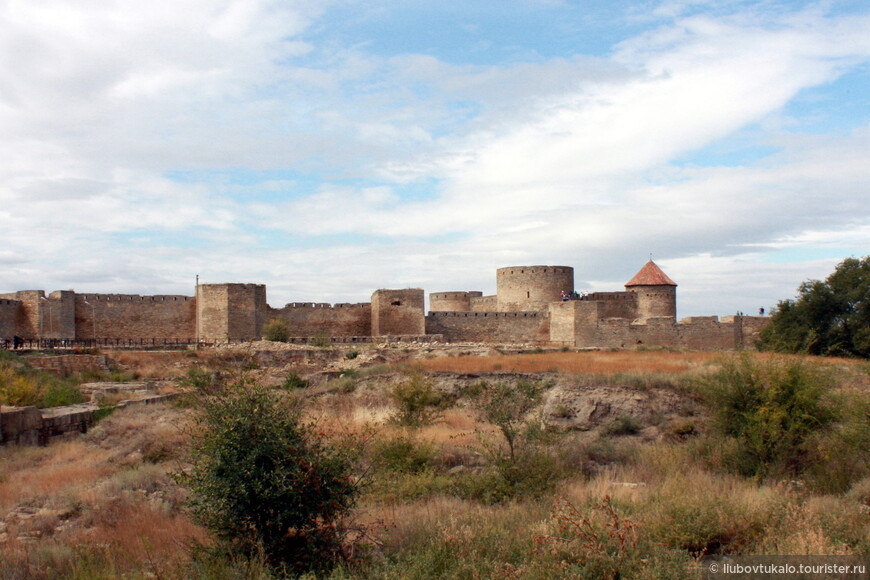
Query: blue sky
(329, 149)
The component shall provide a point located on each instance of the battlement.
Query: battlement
(327, 305)
(132, 298)
(453, 295)
(611, 296)
(529, 306)
(474, 314)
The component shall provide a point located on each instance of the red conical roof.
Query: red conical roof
(650, 275)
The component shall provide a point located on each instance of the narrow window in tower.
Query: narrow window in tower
(528, 294)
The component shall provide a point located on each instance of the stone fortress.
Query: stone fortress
(528, 307)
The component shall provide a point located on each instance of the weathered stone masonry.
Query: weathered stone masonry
(527, 307)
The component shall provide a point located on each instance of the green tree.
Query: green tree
(827, 318)
(774, 411)
(264, 482)
(276, 330)
(506, 405)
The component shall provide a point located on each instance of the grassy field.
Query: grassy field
(643, 495)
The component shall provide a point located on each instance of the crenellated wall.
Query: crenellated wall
(616, 304)
(452, 301)
(313, 319)
(131, 316)
(526, 308)
(489, 326)
(485, 304)
(583, 324)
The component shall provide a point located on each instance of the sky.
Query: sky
(331, 148)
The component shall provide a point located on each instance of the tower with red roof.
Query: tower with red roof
(656, 294)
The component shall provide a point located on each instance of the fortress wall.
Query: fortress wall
(708, 333)
(655, 301)
(616, 304)
(11, 318)
(751, 327)
(211, 312)
(312, 319)
(29, 314)
(452, 301)
(231, 311)
(485, 304)
(59, 315)
(489, 326)
(247, 311)
(696, 333)
(398, 312)
(575, 320)
(531, 288)
(131, 316)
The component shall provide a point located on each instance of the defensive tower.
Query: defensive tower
(531, 288)
(656, 293)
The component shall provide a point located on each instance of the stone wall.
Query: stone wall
(59, 315)
(452, 301)
(67, 364)
(655, 301)
(131, 316)
(489, 326)
(616, 304)
(247, 311)
(584, 320)
(313, 319)
(231, 311)
(531, 288)
(398, 312)
(11, 318)
(20, 425)
(485, 304)
(29, 315)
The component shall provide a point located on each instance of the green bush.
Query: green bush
(262, 481)
(293, 381)
(625, 425)
(773, 410)
(417, 401)
(276, 330)
(506, 406)
(405, 454)
(202, 381)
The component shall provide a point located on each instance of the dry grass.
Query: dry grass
(155, 364)
(34, 473)
(599, 363)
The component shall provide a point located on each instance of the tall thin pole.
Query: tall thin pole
(196, 312)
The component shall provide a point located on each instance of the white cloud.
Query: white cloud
(564, 160)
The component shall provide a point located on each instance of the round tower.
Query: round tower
(656, 294)
(452, 301)
(531, 288)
